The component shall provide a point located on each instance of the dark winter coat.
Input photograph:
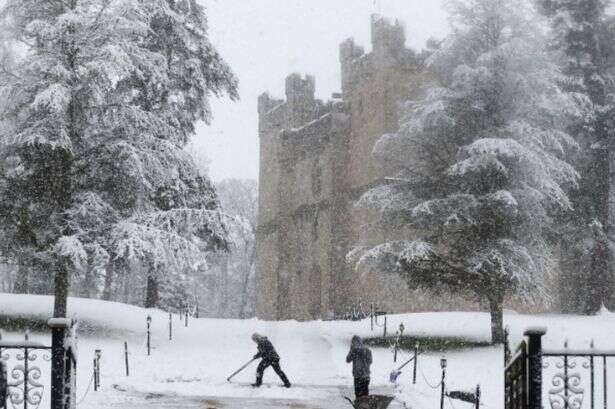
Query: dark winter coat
(266, 350)
(361, 358)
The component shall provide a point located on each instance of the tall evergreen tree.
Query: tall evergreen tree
(100, 107)
(482, 163)
(584, 32)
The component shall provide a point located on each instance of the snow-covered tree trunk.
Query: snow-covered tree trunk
(108, 284)
(610, 231)
(22, 282)
(496, 310)
(61, 286)
(151, 291)
(223, 287)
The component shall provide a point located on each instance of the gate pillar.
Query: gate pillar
(534, 352)
(62, 363)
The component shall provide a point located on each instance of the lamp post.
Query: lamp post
(443, 364)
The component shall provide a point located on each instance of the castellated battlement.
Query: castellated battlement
(388, 50)
(387, 36)
(300, 107)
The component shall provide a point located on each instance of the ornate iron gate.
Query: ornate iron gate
(578, 378)
(515, 379)
(575, 379)
(26, 373)
(30, 372)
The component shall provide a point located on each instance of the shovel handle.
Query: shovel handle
(350, 401)
(240, 369)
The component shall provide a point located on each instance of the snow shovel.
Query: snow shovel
(371, 402)
(240, 369)
(396, 372)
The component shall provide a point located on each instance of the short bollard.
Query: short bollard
(170, 327)
(126, 358)
(149, 335)
(97, 355)
(477, 397)
(372, 309)
(416, 357)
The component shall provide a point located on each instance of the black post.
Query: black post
(126, 357)
(507, 353)
(58, 326)
(535, 367)
(94, 374)
(149, 345)
(170, 327)
(477, 397)
(443, 385)
(97, 353)
(371, 315)
(3, 384)
(416, 357)
(186, 316)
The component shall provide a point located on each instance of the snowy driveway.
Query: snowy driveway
(331, 399)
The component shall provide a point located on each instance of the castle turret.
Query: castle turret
(388, 39)
(349, 53)
(300, 99)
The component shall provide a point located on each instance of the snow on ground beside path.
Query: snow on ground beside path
(199, 358)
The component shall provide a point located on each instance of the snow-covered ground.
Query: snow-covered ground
(193, 367)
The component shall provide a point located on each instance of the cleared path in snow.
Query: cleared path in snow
(331, 399)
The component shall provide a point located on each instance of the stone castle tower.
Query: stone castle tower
(315, 163)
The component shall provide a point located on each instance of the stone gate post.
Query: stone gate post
(62, 373)
(534, 350)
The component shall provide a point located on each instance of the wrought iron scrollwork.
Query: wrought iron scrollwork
(25, 389)
(567, 391)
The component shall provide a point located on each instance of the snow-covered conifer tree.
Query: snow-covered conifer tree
(584, 32)
(482, 163)
(100, 105)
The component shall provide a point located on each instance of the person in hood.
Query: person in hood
(270, 358)
(361, 358)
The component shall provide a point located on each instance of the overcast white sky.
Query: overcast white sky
(265, 40)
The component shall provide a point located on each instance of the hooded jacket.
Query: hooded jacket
(361, 358)
(265, 349)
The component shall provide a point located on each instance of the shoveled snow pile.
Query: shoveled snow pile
(197, 361)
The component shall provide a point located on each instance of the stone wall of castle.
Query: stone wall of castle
(316, 161)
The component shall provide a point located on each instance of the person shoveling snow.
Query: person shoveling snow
(270, 357)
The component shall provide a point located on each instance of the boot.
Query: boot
(259, 381)
(285, 380)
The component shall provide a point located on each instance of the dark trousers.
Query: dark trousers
(264, 364)
(361, 387)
